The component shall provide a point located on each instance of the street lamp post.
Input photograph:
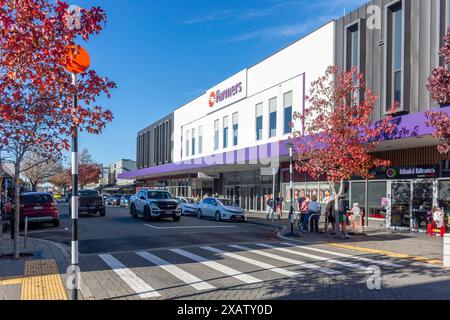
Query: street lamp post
(291, 172)
(74, 252)
(78, 61)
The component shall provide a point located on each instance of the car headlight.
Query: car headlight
(154, 206)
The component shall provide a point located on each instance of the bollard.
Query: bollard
(25, 240)
(447, 250)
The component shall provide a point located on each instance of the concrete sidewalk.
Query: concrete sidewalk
(406, 245)
(38, 275)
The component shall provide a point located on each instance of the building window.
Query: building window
(272, 117)
(259, 121)
(235, 129)
(225, 132)
(395, 54)
(193, 142)
(200, 140)
(352, 48)
(216, 135)
(287, 102)
(187, 144)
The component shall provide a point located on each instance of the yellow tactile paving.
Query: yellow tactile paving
(11, 281)
(42, 281)
(387, 253)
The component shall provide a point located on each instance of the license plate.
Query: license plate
(38, 208)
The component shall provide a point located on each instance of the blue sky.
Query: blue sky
(164, 53)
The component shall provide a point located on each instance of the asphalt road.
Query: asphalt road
(118, 232)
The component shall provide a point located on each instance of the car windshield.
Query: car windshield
(36, 199)
(88, 193)
(226, 203)
(191, 201)
(117, 196)
(127, 197)
(159, 195)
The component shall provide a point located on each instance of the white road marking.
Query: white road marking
(184, 276)
(337, 254)
(218, 267)
(130, 278)
(287, 260)
(193, 227)
(306, 255)
(259, 264)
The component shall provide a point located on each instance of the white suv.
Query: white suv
(155, 204)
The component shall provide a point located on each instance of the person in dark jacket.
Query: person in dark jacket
(344, 207)
(330, 213)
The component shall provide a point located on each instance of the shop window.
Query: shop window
(287, 101)
(352, 48)
(272, 117)
(225, 132)
(235, 129)
(444, 199)
(200, 140)
(358, 194)
(193, 142)
(377, 192)
(394, 54)
(259, 121)
(187, 144)
(216, 135)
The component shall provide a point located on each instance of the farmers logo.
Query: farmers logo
(392, 173)
(219, 96)
(212, 99)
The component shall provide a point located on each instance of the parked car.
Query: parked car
(220, 209)
(68, 197)
(115, 200)
(125, 201)
(155, 204)
(90, 202)
(188, 206)
(40, 207)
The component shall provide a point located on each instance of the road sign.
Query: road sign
(77, 59)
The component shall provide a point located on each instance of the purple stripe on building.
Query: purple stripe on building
(408, 126)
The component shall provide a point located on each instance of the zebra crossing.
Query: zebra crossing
(210, 268)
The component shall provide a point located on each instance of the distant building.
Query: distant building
(110, 181)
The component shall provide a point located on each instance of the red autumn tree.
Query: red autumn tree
(439, 87)
(36, 92)
(88, 173)
(340, 133)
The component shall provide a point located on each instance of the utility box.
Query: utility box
(447, 250)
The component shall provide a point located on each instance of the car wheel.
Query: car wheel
(176, 219)
(133, 213)
(218, 217)
(199, 214)
(56, 223)
(147, 214)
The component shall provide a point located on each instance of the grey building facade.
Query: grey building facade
(395, 44)
(155, 143)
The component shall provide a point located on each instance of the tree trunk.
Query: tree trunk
(336, 204)
(17, 209)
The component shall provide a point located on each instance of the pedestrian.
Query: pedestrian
(439, 218)
(314, 211)
(269, 207)
(279, 206)
(331, 216)
(304, 218)
(343, 209)
(300, 200)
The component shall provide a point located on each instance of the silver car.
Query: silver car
(188, 206)
(221, 210)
